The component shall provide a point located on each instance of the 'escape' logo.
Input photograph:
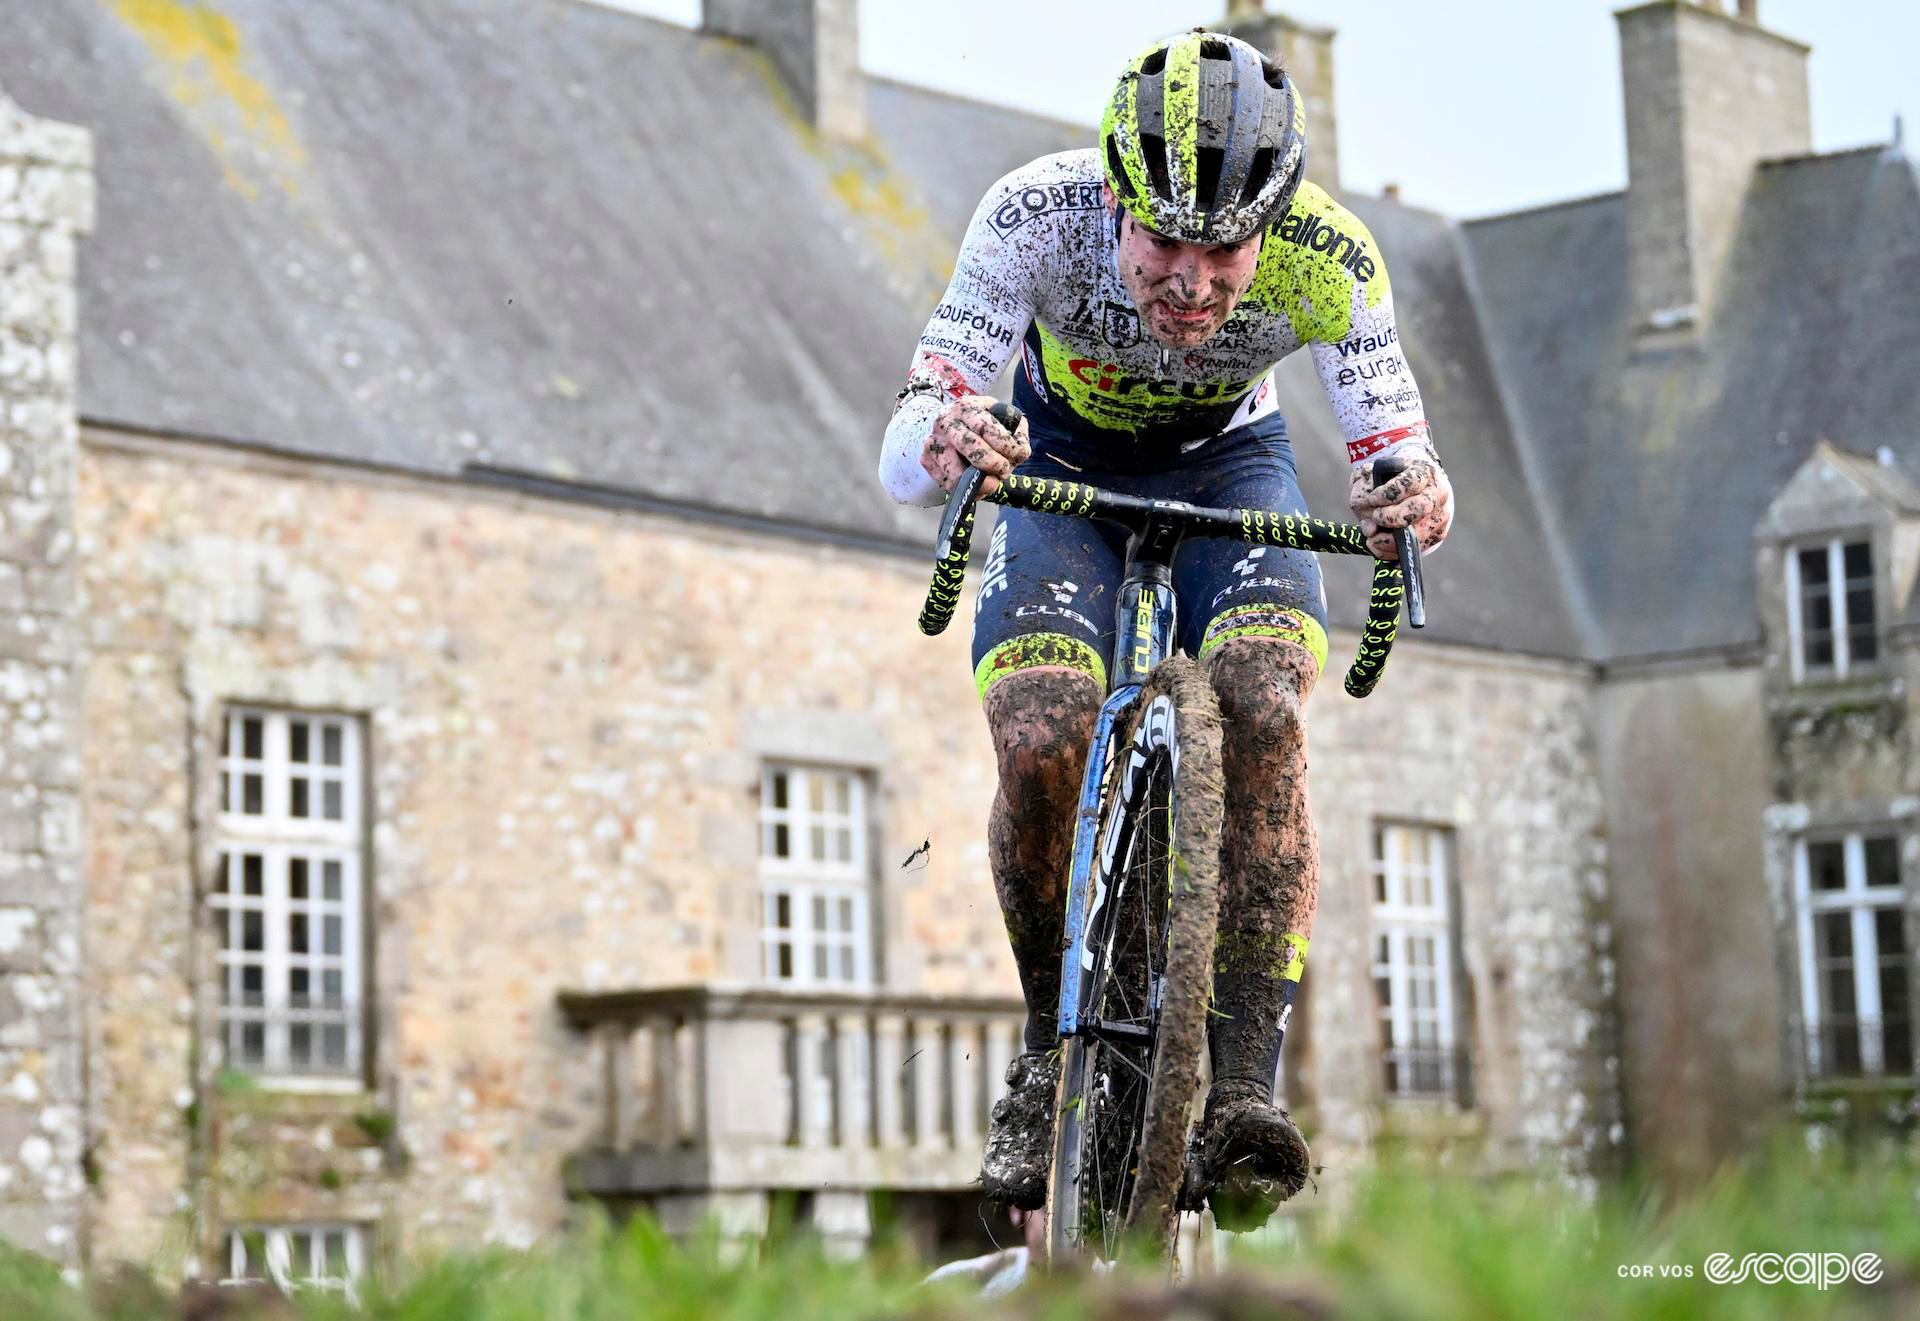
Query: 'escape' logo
(1819, 1269)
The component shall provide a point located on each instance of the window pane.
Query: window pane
(297, 733)
(846, 915)
(297, 987)
(252, 874)
(1834, 935)
(820, 962)
(786, 961)
(253, 930)
(780, 789)
(1380, 887)
(819, 843)
(783, 912)
(253, 987)
(1383, 991)
(1813, 568)
(330, 938)
(220, 875)
(253, 1043)
(330, 988)
(843, 845)
(333, 801)
(252, 795)
(298, 804)
(842, 795)
(1883, 861)
(816, 794)
(297, 933)
(1858, 561)
(1889, 932)
(1894, 1005)
(297, 877)
(253, 740)
(333, 1046)
(330, 881)
(333, 745)
(226, 792)
(300, 1042)
(819, 912)
(337, 1253)
(846, 963)
(782, 847)
(1839, 988)
(1827, 866)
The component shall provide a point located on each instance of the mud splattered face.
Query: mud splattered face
(1185, 291)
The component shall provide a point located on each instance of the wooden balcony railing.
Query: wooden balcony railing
(714, 1087)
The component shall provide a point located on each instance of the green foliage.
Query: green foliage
(378, 1125)
(1417, 1242)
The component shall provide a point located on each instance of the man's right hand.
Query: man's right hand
(966, 436)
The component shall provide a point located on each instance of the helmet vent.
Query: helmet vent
(1154, 148)
(1257, 174)
(1215, 49)
(1276, 77)
(1210, 160)
(1154, 63)
(1117, 169)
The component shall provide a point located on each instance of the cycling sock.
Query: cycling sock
(1255, 980)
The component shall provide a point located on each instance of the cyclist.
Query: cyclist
(1150, 285)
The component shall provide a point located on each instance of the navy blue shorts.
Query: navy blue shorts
(1047, 595)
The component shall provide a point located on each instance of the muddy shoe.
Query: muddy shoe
(1019, 1151)
(1247, 1159)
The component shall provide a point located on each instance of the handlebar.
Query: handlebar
(1257, 526)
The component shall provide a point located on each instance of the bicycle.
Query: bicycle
(1142, 898)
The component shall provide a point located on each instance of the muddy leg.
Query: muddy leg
(1041, 720)
(1270, 855)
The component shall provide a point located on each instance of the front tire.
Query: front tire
(1120, 1141)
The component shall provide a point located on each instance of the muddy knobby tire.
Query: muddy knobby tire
(1193, 908)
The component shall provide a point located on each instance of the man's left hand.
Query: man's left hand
(1420, 498)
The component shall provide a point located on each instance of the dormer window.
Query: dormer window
(1830, 617)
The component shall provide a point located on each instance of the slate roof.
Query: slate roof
(1660, 464)
(557, 238)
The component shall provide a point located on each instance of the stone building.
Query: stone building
(466, 749)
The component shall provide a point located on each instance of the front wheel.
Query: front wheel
(1120, 1144)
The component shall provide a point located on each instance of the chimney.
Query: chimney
(816, 46)
(1708, 96)
(1306, 53)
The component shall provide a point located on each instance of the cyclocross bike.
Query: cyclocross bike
(1142, 898)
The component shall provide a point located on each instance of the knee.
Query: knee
(1041, 720)
(1263, 684)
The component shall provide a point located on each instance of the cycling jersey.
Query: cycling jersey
(1039, 271)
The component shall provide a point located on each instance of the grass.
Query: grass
(1418, 1243)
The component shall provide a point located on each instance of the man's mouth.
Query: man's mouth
(1187, 316)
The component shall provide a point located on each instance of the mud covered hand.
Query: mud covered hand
(1420, 498)
(965, 435)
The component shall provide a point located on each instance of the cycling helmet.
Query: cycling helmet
(1205, 138)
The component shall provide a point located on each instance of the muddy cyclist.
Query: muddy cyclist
(1149, 285)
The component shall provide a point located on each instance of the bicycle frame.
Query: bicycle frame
(1145, 614)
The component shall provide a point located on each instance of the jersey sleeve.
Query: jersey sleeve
(1370, 385)
(969, 339)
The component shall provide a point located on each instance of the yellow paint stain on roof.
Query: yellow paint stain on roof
(203, 52)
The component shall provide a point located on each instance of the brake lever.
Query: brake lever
(1384, 471)
(966, 491)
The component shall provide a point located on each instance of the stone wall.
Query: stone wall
(567, 712)
(46, 203)
(1500, 751)
(1684, 761)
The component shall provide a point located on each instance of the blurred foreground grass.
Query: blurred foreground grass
(1418, 1244)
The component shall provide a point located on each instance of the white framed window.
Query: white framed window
(312, 1256)
(1413, 962)
(287, 894)
(1856, 986)
(815, 925)
(1830, 616)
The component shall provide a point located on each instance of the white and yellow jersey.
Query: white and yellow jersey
(1039, 273)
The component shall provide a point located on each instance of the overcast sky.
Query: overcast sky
(1472, 107)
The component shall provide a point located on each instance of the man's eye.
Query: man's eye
(1165, 244)
(1230, 249)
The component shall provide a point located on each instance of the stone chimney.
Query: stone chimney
(1708, 95)
(816, 46)
(1306, 53)
(46, 203)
